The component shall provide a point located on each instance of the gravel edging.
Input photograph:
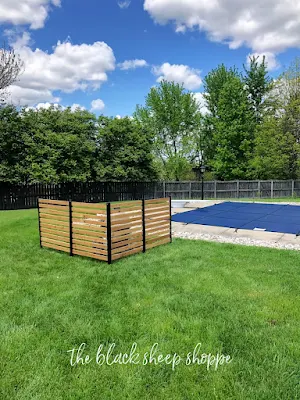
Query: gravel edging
(238, 240)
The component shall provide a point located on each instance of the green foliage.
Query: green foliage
(13, 147)
(275, 154)
(213, 86)
(172, 116)
(123, 151)
(59, 145)
(230, 124)
(258, 84)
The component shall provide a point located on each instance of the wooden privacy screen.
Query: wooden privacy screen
(106, 232)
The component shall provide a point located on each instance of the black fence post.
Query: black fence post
(38, 204)
(170, 207)
(144, 225)
(108, 216)
(70, 228)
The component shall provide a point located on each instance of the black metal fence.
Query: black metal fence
(13, 197)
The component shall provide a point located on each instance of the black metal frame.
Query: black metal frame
(170, 208)
(39, 223)
(144, 226)
(71, 228)
(108, 232)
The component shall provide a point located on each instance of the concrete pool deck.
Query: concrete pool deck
(230, 235)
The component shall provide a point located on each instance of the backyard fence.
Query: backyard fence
(102, 231)
(232, 189)
(14, 197)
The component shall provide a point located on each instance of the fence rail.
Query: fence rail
(106, 232)
(14, 197)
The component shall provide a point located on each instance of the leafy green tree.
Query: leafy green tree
(12, 145)
(124, 151)
(213, 86)
(172, 117)
(232, 132)
(258, 84)
(60, 144)
(275, 153)
(229, 126)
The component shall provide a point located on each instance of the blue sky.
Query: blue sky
(74, 50)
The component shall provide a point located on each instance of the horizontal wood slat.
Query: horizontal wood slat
(90, 233)
(158, 243)
(52, 245)
(89, 249)
(57, 237)
(89, 221)
(125, 248)
(79, 226)
(127, 211)
(129, 241)
(51, 225)
(117, 239)
(126, 253)
(47, 215)
(54, 232)
(90, 255)
(58, 202)
(155, 201)
(124, 204)
(99, 206)
(87, 211)
(126, 219)
(91, 243)
(54, 209)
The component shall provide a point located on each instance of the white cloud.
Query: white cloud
(47, 105)
(118, 117)
(68, 68)
(97, 105)
(132, 64)
(270, 60)
(189, 77)
(124, 4)
(264, 26)
(201, 102)
(75, 107)
(26, 12)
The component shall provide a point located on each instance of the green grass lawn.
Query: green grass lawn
(235, 300)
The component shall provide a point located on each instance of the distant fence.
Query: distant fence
(14, 197)
(105, 232)
(232, 189)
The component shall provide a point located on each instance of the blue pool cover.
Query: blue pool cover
(267, 217)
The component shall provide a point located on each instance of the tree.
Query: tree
(258, 84)
(213, 85)
(172, 117)
(275, 153)
(124, 151)
(229, 126)
(232, 132)
(10, 68)
(13, 149)
(61, 144)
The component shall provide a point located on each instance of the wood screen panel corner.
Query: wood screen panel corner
(104, 231)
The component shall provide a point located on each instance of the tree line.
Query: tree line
(250, 130)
